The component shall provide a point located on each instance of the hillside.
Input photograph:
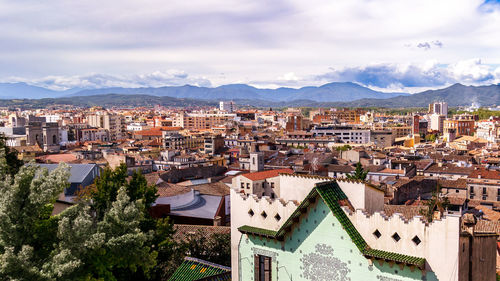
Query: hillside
(455, 95)
(108, 100)
(332, 92)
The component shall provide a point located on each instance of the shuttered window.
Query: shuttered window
(262, 268)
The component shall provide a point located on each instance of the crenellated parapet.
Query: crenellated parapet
(414, 236)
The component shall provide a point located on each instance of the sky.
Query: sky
(388, 45)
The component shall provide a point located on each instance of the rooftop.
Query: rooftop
(267, 174)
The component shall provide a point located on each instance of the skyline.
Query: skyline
(425, 45)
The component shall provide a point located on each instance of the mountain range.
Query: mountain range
(332, 94)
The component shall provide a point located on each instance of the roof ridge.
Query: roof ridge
(226, 268)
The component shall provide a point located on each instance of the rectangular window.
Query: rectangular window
(242, 185)
(248, 186)
(272, 186)
(262, 268)
(484, 190)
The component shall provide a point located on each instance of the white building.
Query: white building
(134, 127)
(344, 134)
(437, 122)
(439, 243)
(227, 106)
(439, 108)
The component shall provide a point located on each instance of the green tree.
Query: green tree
(436, 203)
(215, 248)
(345, 147)
(76, 244)
(359, 173)
(170, 253)
(27, 229)
(430, 137)
(12, 162)
(90, 250)
(104, 192)
(106, 186)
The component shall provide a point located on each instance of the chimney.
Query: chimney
(217, 221)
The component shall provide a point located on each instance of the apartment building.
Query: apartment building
(440, 108)
(463, 125)
(178, 141)
(483, 184)
(344, 134)
(227, 106)
(201, 121)
(213, 144)
(114, 123)
(437, 122)
(400, 131)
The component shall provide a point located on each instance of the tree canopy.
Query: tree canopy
(107, 235)
(359, 173)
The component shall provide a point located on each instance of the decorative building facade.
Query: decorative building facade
(337, 232)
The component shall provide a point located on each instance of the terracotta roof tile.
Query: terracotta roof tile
(484, 226)
(485, 174)
(267, 174)
(408, 212)
(489, 214)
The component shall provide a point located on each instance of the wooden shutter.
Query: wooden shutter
(267, 269)
(256, 267)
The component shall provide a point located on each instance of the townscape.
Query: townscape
(313, 193)
(263, 140)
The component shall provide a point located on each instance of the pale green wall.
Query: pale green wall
(323, 255)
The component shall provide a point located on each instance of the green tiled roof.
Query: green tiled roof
(195, 269)
(257, 231)
(333, 196)
(379, 254)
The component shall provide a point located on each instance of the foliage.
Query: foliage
(76, 244)
(216, 248)
(430, 137)
(27, 231)
(436, 203)
(482, 113)
(106, 186)
(90, 250)
(106, 100)
(345, 147)
(359, 173)
(12, 162)
(306, 111)
(170, 253)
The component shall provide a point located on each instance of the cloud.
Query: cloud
(424, 45)
(472, 71)
(95, 81)
(246, 40)
(427, 45)
(429, 74)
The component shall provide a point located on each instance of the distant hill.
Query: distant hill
(25, 91)
(332, 92)
(16, 90)
(107, 100)
(455, 95)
